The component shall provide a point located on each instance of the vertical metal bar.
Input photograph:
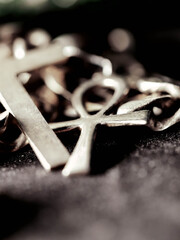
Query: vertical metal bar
(48, 148)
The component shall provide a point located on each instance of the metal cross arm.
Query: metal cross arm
(46, 145)
(79, 161)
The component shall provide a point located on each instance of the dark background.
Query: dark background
(155, 25)
(133, 191)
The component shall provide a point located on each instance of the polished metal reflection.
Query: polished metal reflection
(79, 161)
(3, 121)
(19, 48)
(54, 79)
(159, 87)
(15, 99)
(137, 104)
(157, 95)
(155, 84)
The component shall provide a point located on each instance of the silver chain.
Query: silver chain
(104, 98)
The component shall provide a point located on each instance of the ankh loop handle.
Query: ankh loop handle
(79, 161)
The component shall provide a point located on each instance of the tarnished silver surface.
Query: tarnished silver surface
(155, 84)
(79, 161)
(16, 100)
(54, 80)
(3, 121)
(156, 105)
(52, 75)
(135, 105)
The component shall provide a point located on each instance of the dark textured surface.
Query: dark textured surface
(136, 199)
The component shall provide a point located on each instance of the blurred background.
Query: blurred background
(154, 24)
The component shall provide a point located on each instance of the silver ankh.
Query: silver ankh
(79, 161)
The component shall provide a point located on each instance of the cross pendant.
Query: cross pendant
(47, 147)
